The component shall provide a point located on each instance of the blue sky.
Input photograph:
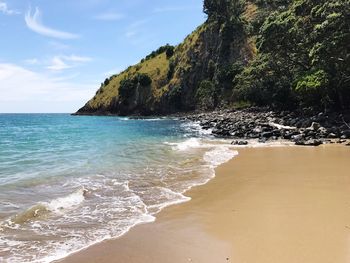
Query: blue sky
(54, 54)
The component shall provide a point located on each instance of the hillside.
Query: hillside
(284, 54)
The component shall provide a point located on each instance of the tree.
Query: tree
(144, 79)
(304, 55)
(222, 10)
(169, 52)
(312, 88)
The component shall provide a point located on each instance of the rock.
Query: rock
(255, 123)
(315, 126)
(277, 133)
(348, 144)
(345, 134)
(331, 136)
(341, 141)
(257, 130)
(309, 143)
(262, 140)
(322, 130)
(310, 133)
(221, 132)
(297, 138)
(239, 143)
(267, 134)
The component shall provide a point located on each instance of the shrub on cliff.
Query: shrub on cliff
(144, 79)
(168, 49)
(128, 86)
(205, 95)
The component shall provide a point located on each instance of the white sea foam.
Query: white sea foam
(196, 128)
(116, 206)
(185, 145)
(172, 198)
(68, 202)
(219, 155)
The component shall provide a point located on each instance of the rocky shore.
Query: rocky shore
(265, 125)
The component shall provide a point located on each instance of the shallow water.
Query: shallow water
(69, 182)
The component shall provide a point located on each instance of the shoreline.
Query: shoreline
(265, 125)
(223, 214)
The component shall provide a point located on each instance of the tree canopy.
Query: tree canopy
(304, 57)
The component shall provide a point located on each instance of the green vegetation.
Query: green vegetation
(287, 54)
(206, 95)
(169, 51)
(304, 58)
(128, 86)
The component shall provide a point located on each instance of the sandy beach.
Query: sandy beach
(267, 205)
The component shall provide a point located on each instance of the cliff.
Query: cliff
(284, 54)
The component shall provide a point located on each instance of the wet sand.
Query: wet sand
(281, 204)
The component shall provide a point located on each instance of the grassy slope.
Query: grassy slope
(187, 57)
(157, 68)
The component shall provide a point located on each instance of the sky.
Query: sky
(55, 54)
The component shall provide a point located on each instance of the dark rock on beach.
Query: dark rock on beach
(239, 143)
(309, 143)
(265, 125)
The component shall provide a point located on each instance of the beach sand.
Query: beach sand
(273, 204)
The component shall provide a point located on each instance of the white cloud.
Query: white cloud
(75, 58)
(35, 24)
(59, 63)
(109, 16)
(23, 90)
(5, 10)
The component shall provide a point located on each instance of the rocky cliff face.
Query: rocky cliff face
(197, 74)
(285, 54)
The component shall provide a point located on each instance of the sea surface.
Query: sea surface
(68, 182)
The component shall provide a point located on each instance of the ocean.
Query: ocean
(68, 182)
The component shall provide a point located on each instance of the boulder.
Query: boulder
(314, 126)
(341, 141)
(262, 140)
(331, 136)
(308, 143)
(267, 134)
(322, 130)
(239, 143)
(345, 134)
(297, 138)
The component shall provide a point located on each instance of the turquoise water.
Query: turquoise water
(69, 182)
